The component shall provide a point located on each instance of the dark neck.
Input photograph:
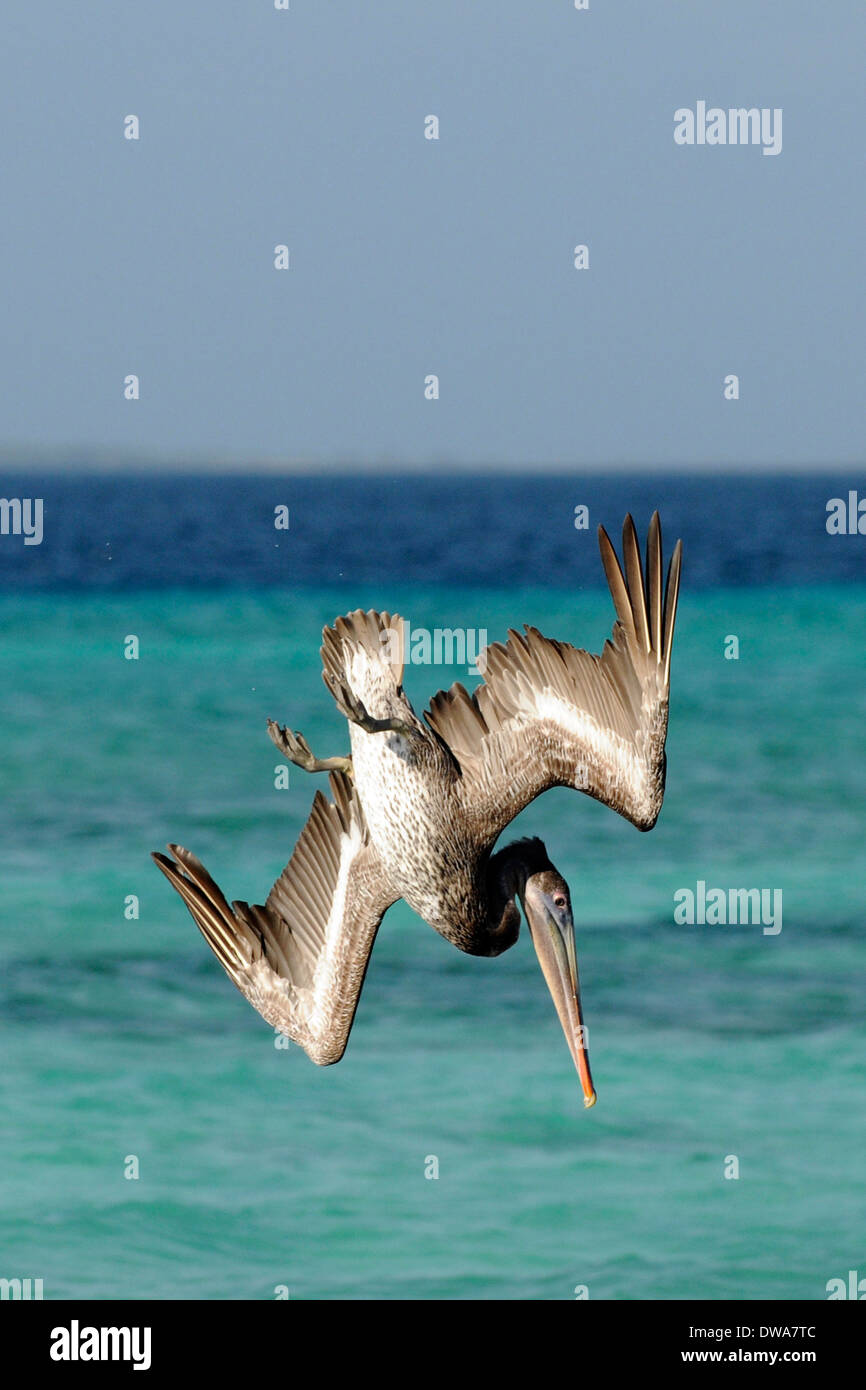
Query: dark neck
(507, 872)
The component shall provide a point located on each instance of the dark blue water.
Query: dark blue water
(117, 533)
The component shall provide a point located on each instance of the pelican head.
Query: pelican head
(547, 906)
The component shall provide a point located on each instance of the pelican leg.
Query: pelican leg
(356, 712)
(298, 751)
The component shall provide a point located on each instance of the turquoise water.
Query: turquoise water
(257, 1169)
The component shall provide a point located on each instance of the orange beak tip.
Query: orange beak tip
(589, 1101)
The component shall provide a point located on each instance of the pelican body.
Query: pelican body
(418, 805)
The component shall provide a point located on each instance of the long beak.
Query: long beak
(555, 949)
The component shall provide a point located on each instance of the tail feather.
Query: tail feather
(364, 651)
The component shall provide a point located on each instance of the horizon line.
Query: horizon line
(138, 466)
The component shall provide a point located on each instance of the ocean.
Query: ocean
(157, 1144)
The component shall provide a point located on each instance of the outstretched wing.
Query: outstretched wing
(301, 958)
(549, 715)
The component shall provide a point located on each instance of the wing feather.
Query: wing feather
(300, 958)
(634, 578)
(549, 714)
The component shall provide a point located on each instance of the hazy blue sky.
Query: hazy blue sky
(412, 256)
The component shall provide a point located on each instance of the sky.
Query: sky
(412, 257)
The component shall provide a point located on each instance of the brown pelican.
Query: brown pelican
(418, 807)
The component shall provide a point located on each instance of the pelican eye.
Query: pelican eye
(559, 901)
